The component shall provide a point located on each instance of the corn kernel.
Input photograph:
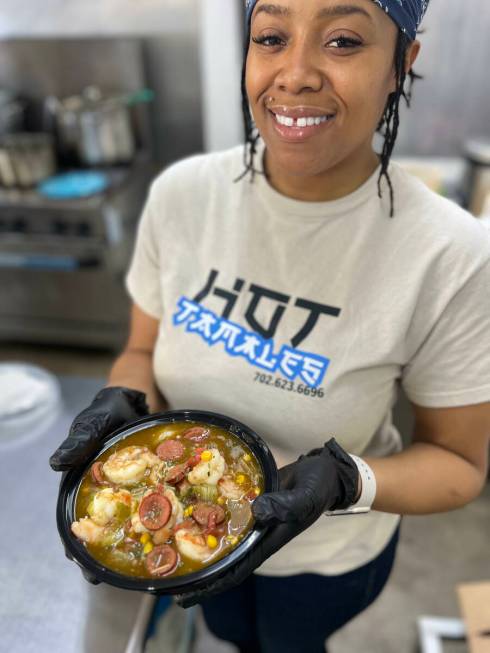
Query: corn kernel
(256, 491)
(240, 479)
(221, 500)
(212, 542)
(145, 538)
(247, 457)
(147, 548)
(188, 511)
(232, 539)
(206, 456)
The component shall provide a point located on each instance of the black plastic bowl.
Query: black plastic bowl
(96, 573)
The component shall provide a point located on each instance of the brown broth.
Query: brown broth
(238, 520)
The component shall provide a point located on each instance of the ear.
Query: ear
(411, 54)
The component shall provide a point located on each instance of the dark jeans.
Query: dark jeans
(295, 614)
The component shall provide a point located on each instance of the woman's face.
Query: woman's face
(319, 61)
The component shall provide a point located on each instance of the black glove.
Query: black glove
(110, 409)
(324, 479)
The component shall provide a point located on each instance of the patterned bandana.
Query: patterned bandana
(407, 14)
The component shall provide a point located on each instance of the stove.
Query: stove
(62, 262)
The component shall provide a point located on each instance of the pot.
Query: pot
(96, 130)
(26, 159)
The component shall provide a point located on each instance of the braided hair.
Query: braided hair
(387, 127)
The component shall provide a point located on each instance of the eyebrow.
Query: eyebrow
(326, 12)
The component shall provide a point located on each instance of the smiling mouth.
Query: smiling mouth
(301, 122)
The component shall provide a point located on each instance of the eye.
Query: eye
(268, 40)
(344, 42)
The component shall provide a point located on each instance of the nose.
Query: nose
(299, 70)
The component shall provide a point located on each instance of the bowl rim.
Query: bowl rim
(96, 572)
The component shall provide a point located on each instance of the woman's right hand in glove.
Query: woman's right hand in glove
(110, 409)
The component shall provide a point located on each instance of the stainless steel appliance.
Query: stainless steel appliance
(26, 158)
(94, 129)
(62, 262)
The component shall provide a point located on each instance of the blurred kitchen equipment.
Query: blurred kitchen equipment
(11, 112)
(443, 175)
(96, 129)
(477, 183)
(62, 261)
(26, 159)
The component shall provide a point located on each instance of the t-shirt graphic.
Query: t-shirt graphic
(257, 346)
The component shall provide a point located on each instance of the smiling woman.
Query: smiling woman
(353, 60)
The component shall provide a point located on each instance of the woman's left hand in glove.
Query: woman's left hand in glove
(324, 479)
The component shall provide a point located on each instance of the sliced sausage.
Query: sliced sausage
(155, 511)
(170, 450)
(208, 515)
(162, 560)
(176, 474)
(196, 433)
(97, 473)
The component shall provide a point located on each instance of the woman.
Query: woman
(296, 297)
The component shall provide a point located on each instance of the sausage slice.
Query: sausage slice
(176, 474)
(170, 450)
(155, 511)
(97, 473)
(162, 560)
(196, 433)
(208, 515)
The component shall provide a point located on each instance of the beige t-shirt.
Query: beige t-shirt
(301, 318)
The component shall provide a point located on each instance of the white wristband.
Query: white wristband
(368, 490)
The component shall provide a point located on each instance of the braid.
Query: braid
(388, 125)
(390, 121)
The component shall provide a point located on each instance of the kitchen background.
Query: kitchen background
(163, 79)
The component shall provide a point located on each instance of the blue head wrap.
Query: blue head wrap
(407, 14)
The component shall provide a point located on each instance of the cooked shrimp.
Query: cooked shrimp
(90, 532)
(128, 466)
(136, 524)
(192, 544)
(108, 504)
(157, 472)
(208, 472)
(229, 489)
(177, 508)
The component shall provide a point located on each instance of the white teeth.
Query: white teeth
(301, 122)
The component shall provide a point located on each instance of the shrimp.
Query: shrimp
(177, 508)
(192, 544)
(128, 466)
(229, 489)
(108, 504)
(88, 531)
(208, 472)
(156, 473)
